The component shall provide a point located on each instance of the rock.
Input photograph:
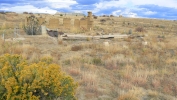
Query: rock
(125, 47)
(146, 35)
(18, 39)
(60, 38)
(144, 43)
(106, 44)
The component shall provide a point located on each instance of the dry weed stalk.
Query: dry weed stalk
(90, 81)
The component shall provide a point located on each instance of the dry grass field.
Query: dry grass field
(141, 67)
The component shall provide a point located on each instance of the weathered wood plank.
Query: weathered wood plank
(85, 37)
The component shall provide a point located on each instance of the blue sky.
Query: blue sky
(163, 9)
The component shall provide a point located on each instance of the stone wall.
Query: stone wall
(84, 23)
(41, 21)
(77, 23)
(8, 25)
(53, 23)
(11, 25)
(67, 23)
(89, 21)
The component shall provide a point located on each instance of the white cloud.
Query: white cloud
(133, 15)
(117, 12)
(108, 4)
(129, 8)
(49, 6)
(128, 13)
(164, 3)
(131, 4)
(60, 3)
(150, 13)
(125, 4)
(29, 8)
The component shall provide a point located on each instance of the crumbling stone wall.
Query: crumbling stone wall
(83, 23)
(77, 23)
(9, 25)
(53, 23)
(41, 21)
(67, 23)
(89, 21)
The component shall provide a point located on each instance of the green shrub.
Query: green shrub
(130, 31)
(33, 27)
(37, 81)
(97, 61)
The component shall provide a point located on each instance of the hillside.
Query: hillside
(140, 67)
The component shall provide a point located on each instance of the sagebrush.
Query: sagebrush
(37, 81)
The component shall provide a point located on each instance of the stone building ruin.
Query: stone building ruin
(85, 23)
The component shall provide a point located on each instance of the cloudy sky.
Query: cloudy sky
(163, 9)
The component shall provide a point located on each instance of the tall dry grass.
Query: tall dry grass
(1, 45)
(90, 81)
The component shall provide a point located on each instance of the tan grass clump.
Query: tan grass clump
(90, 81)
(74, 71)
(76, 48)
(128, 97)
(140, 29)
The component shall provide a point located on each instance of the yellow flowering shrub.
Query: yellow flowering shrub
(37, 81)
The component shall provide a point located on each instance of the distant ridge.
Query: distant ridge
(73, 14)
